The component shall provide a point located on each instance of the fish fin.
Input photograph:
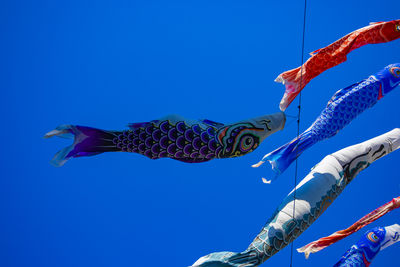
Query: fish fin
(341, 92)
(173, 118)
(373, 23)
(136, 125)
(87, 142)
(212, 123)
(313, 53)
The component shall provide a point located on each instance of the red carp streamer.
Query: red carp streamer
(324, 242)
(334, 54)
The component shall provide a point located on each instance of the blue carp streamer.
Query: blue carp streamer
(171, 137)
(314, 194)
(365, 250)
(343, 107)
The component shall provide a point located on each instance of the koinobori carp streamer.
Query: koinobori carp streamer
(343, 107)
(365, 250)
(324, 242)
(334, 54)
(173, 137)
(313, 194)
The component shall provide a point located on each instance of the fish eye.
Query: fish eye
(373, 237)
(246, 143)
(395, 71)
(398, 27)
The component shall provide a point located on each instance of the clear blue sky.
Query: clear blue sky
(105, 64)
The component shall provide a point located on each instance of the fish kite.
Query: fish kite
(173, 137)
(343, 107)
(334, 54)
(364, 251)
(311, 197)
(324, 242)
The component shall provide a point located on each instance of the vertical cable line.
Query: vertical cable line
(298, 124)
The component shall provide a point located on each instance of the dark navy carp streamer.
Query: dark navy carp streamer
(365, 250)
(171, 137)
(343, 107)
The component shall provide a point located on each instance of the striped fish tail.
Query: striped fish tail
(281, 158)
(87, 142)
(291, 79)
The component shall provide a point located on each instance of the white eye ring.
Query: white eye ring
(397, 27)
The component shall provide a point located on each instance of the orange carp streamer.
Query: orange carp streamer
(324, 242)
(334, 54)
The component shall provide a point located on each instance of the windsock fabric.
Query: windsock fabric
(324, 242)
(341, 110)
(314, 194)
(365, 250)
(191, 141)
(334, 54)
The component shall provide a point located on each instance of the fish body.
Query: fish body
(334, 54)
(343, 107)
(326, 241)
(175, 137)
(372, 242)
(304, 204)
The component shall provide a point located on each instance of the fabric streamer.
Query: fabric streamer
(314, 194)
(343, 107)
(334, 54)
(365, 250)
(324, 242)
(173, 136)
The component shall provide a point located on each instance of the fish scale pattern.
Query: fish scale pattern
(362, 253)
(188, 143)
(355, 258)
(303, 206)
(343, 110)
(173, 136)
(345, 105)
(334, 54)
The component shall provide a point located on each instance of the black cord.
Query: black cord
(298, 123)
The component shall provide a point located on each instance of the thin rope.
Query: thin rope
(298, 123)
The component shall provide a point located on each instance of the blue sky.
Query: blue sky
(105, 64)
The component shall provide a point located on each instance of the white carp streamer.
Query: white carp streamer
(314, 194)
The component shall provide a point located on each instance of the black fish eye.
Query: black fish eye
(248, 141)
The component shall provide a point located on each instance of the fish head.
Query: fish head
(371, 242)
(239, 139)
(390, 77)
(390, 30)
(245, 136)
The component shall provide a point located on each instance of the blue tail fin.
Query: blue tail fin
(87, 142)
(281, 158)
